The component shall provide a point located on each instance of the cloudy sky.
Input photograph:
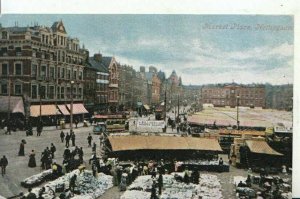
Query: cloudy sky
(201, 48)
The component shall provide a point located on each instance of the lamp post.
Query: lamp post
(9, 96)
(40, 95)
(237, 112)
(71, 108)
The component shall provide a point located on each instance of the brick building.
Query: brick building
(231, 94)
(41, 64)
(126, 87)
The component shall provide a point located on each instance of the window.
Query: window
(58, 72)
(18, 69)
(4, 35)
(52, 72)
(43, 71)
(58, 92)
(4, 51)
(34, 70)
(68, 92)
(34, 91)
(74, 74)
(42, 92)
(79, 93)
(80, 75)
(4, 88)
(18, 51)
(69, 74)
(62, 92)
(18, 89)
(63, 73)
(51, 92)
(74, 92)
(33, 53)
(4, 69)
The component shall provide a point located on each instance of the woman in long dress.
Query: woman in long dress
(32, 162)
(22, 147)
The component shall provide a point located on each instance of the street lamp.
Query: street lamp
(71, 108)
(237, 112)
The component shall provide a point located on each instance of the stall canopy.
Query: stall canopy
(261, 146)
(77, 109)
(15, 105)
(127, 143)
(146, 107)
(63, 109)
(47, 110)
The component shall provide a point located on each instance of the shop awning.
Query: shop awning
(14, 104)
(261, 146)
(47, 110)
(127, 143)
(63, 109)
(146, 107)
(77, 109)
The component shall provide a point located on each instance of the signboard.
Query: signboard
(151, 124)
(146, 126)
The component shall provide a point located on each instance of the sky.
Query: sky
(202, 49)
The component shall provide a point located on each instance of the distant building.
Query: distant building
(99, 87)
(231, 94)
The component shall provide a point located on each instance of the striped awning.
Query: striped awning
(63, 109)
(44, 110)
(77, 109)
(261, 146)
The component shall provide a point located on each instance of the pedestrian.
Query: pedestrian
(160, 183)
(22, 148)
(68, 137)
(62, 136)
(30, 195)
(52, 149)
(80, 154)
(94, 147)
(73, 138)
(3, 164)
(221, 161)
(90, 138)
(67, 153)
(41, 192)
(8, 129)
(39, 129)
(76, 123)
(153, 191)
(32, 162)
(72, 182)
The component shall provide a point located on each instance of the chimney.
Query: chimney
(142, 69)
(98, 57)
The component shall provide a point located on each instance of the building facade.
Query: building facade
(126, 87)
(41, 64)
(233, 94)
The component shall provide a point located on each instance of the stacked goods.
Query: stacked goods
(209, 188)
(86, 185)
(37, 179)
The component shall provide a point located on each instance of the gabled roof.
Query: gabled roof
(98, 65)
(106, 61)
(58, 26)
